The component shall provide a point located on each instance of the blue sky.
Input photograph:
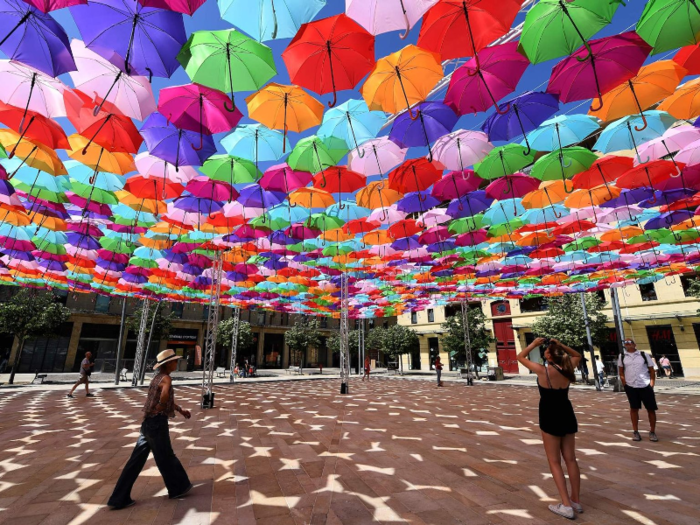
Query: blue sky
(207, 17)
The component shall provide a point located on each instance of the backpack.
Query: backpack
(644, 355)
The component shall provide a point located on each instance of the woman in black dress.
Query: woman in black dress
(557, 419)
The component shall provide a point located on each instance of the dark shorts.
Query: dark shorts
(639, 396)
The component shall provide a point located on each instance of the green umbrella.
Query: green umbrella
(582, 244)
(680, 236)
(231, 169)
(505, 228)
(323, 222)
(216, 58)
(504, 160)
(563, 164)
(669, 24)
(555, 28)
(466, 224)
(314, 154)
(265, 221)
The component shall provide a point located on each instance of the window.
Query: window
(371, 324)
(205, 313)
(431, 315)
(324, 322)
(177, 309)
(451, 310)
(262, 317)
(414, 317)
(601, 295)
(648, 292)
(533, 304)
(102, 304)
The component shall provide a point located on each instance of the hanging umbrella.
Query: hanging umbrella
(520, 115)
(377, 196)
(476, 86)
(177, 146)
(672, 141)
(503, 160)
(330, 55)
(688, 58)
(555, 28)
(269, 19)
(562, 131)
(353, 122)
(512, 186)
(460, 28)
(284, 107)
(255, 142)
(46, 6)
(34, 38)
(37, 129)
(626, 133)
(603, 171)
(456, 184)
(284, 179)
(401, 79)
(414, 175)
(197, 108)
(98, 157)
(435, 119)
(461, 148)
(376, 156)
(314, 154)
(153, 167)
(310, 198)
(563, 164)
(381, 17)
(549, 193)
(216, 58)
(590, 74)
(35, 155)
(653, 82)
(685, 102)
(669, 24)
(186, 7)
(339, 179)
(147, 39)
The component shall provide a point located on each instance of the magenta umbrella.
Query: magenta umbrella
(51, 5)
(473, 88)
(186, 7)
(283, 178)
(512, 187)
(611, 61)
(197, 108)
(471, 238)
(456, 184)
(205, 188)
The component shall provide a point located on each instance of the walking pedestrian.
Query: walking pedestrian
(557, 418)
(583, 367)
(84, 379)
(600, 369)
(438, 369)
(155, 437)
(638, 377)
(666, 365)
(368, 365)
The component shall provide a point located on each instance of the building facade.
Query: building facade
(659, 316)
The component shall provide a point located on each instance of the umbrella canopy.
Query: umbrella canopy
(177, 146)
(269, 19)
(353, 122)
(381, 17)
(435, 119)
(669, 24)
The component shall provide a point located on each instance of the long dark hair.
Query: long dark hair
(563, 361)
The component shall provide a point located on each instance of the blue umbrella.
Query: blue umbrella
(562, 131)
(520, 115)
(34, 38)
(547, 214)
(503, 211)
(348, 212)
(256, 142)
(353, 122)
(627, 132)
(434, 120)
(269, 19)
(469, 205)
(173, 145)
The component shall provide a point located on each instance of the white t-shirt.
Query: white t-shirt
(599, 366)
(85, 363)
(636, 369)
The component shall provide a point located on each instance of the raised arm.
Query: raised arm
(522, 356)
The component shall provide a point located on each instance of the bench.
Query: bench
(39, 376)
(393, 367)
(122, 374)
(294, 370)
(464, 373)
(220, 371)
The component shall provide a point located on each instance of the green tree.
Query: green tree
(304, 334)
(161, 328)
(479, 337)
(30, 313)
(398, 340)
(694, 289)
(353, 341)
(246, 338)
(564, 320)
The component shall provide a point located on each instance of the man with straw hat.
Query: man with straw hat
(155, 437)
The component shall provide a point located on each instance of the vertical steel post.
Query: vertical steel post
(140, 357)
(236, 316)
(210, 339)
(344, 348)
(467, 341)
(148, 344)
(119, 343)
(617, 318)
(590, 341)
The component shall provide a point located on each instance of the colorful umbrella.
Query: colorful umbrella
(435, 119)
(269, 19)
(176, 146)
(669, 24)
(380, 17)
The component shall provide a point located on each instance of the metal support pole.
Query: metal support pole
(617, 318)
(467, 341)
(344, 348)
(236, 316)
(590, 341)
(119, 343)
(210, 340)
(140, 357)
(148, 345)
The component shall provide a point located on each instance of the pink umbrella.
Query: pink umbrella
(197, 108)
(473, 89)
(512, 186)
(387, 215)
(25, 87)
(612, 60)
(186, 7)
(434, 234)
(51, 5)
(105, 81)
(376, 157)
(434, 217)
(283, 178)
(461, 148)
(689, 154)
(471, 238)
(673, 140)
(382, 16)
(207, 188)
(149, 166)
(456, 184)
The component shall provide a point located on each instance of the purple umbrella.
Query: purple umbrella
(469, 205)
(435, 119)
(173, 145)
(253, 196)
(197, 205)
(629, 197)
(83, 241)
(147, 39)
(520, 115)
(405, 244)
(668, 219)
(667, 197)
(417, 201)
(34, 38)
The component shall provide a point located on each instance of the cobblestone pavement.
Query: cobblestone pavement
(393, 451)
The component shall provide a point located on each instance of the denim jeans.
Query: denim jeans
(439, 374)
(155, 437)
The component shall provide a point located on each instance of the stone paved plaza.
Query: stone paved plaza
(393, 451)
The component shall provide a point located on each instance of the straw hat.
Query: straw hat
(165, 356)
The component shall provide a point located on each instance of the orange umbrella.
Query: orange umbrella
(535, 239)
(376, 195)
(35, 155)
(278, 106)
(653, 83)
(98, 158)
(147, 205)
(15, 218)
(402, 79)
(593, 197)
(685, 102)
(620, 234)
(311, 198)
(549, 193)
(336, 235)
(377, 237)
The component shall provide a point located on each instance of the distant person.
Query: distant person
(666, 366)
(246, 366)
(438, 370)
(84, 379)
(557, 418)
(368, 365)
(155, 437)
(638, 377)
(600, 369)
(3, 363)
(583, 367)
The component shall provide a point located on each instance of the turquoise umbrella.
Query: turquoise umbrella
(255, 142)
(628, 132)
(353, 122)
(562, 131)
(503, 211)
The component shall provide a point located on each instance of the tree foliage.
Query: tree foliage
(564, 320)
(397, 340)
(163, 322)
(353, 341)
(29, 313)
(304, 334)
(479, 337)
(246, 338)
(694, 289)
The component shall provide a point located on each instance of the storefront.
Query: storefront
(184, 342)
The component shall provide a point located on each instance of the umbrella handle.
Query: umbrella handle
(572, 187)
(201, 125)
(564, 164)
(330, 64)
(360, 153)
(233, 105)
(504, 111)
(11, 154)
(644, 121)
(588, 55)
(408, 22)
(274, 20)
(600, 104)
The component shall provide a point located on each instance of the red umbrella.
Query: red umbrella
(153, 188)
(414, 175)
(512, 186)
(648, 174)
(339, 179)
(689, 58)
(405, 228)
(328, 55)
(361, 226)
(460, 28)
(205, 188)
(37, 127)
(603, 171)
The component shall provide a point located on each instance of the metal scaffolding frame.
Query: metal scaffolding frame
(141, 350)
(236, 316)
(360, 346)
(467, 341)
(212, 329)
(344, 332)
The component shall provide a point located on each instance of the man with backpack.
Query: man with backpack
(638, 377)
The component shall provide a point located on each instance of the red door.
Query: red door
(505, 345)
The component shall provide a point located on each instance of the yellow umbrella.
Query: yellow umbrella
(402, 79)
(685, 102)
(278, 106)
(98, 158)
(34, 155)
